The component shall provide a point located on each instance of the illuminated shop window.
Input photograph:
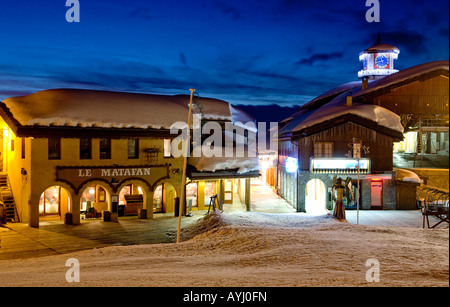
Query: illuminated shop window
(191, 194)
(158, 199)
(167, 148)
(87, 198)
(210, 190)
(49, 201)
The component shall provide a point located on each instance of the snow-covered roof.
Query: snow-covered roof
(328, 94)
(381, 47)
(336, 108)
(404, 75)
(88, 108)
(306, 117)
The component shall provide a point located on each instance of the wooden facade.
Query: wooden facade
(424, 99)
(340, 136)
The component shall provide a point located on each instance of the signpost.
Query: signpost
(183, 178)
(357, 155)
(356, 146)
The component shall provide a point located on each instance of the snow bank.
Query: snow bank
(217, 219)
(248, 249)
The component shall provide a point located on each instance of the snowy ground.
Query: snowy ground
(255, 249)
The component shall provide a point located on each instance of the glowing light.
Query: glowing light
(377, 72)
(291, 165)
(340, 163)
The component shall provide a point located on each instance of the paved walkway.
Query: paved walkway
(391, 218)
(54, 237)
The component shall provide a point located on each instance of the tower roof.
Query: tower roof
(381, 47)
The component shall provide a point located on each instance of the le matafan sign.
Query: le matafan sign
(76, 177)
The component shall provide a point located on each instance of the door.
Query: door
(228, 192)
(376, 195)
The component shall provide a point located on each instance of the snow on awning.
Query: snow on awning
(214, 164)
(406, 175)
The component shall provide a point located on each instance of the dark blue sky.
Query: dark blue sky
(246, 52)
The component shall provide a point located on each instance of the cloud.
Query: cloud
(226, 9)
(142, 13)
(183, 59)
(320, 57)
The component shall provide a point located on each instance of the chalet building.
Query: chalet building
(386, 112)
(87, 152)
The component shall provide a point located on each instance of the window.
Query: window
(167, 148)
(191, 195)
(105, 148)
(49, 201)
(23, 148)
(158, 199)
(54, 148)
(323, 149)
(133, 148)
(85, 148)
(210, 190)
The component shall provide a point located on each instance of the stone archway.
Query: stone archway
(54, 202)
(134, 187)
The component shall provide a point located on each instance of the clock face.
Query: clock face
(381, 60)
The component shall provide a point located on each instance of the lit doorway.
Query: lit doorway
(54, 202)
(315, 197)
(376, 194)
(94, 200)
(164, 198)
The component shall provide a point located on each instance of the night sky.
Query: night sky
(253, 52)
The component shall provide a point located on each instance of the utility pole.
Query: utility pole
(183, 178)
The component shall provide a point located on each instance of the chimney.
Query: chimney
(349, 101)
(365, 83)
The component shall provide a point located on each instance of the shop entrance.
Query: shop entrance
(164, 198)
(131, 199)
(315, 197)
(54, 202)
(376, 194)
(94, 200)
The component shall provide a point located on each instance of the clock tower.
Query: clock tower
(378, 61)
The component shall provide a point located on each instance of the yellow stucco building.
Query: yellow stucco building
(85, 152)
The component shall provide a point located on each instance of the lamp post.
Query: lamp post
(357, 146)
(183, 178)
(357, 155)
